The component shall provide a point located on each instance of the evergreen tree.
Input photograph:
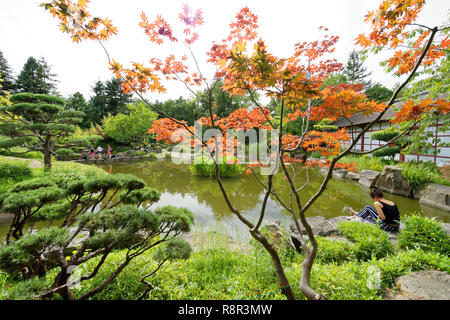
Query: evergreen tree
(378, 92)
(77, 102)
(6, 75)
(37, 122)
(108, 99)
(223, 103)
(355, 70)
(36, 77)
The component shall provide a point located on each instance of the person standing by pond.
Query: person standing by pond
(385, 213)
(92, 151)
(109, 151)
(99, 150)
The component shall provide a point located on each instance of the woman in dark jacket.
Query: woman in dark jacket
(385, 213)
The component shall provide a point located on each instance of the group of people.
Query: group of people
(143, 148)
(100, 151)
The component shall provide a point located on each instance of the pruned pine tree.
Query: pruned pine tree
(37, 122)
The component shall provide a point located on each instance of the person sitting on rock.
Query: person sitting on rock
(385, 213)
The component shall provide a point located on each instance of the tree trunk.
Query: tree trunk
(282, 280)
(47, 158)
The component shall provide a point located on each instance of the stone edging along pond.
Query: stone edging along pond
(391, 180)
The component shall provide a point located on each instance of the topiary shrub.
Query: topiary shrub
(15, 171)
(95, 217)
(204, 167)
(140, 153)
(424, 233)
(394, 147)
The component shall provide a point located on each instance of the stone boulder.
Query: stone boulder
(120, 155)
(369, 178)
(319, 225)
(392, 181)
(446, 227)
(339, 219)
(323, 170)
(353, 175)
(436, 196)
(339, 173)
(424, 285)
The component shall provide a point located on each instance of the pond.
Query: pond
(202, 196)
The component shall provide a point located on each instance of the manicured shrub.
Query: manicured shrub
(16, 172)
(228, 167)
(88, 204)
(424, 233)
(140, 153)
(370, 241)
(13, 173)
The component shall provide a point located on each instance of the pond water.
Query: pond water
(202, 196)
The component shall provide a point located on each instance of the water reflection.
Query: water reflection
(203, 196)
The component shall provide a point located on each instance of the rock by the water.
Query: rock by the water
(339, 219)
(424, 285)
(446, 227)
(319, 225)
(436, 196)
(369, 178)
(353, 175)
(391, 180)
(340, 173)
(323, 170)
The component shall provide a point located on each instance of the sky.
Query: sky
(27, 30)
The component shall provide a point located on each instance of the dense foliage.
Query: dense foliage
(38, 122)
(132, 128)
(228, 167)
(93, 217)
(36, 77)
(424, 233)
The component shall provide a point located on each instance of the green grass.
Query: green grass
(366, 162)
(419, 174)
(219, 273)
(22, 171)
(424, 233)
(370, 241)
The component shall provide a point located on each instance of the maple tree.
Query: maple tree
(247, 67)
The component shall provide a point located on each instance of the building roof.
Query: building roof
(360, 118)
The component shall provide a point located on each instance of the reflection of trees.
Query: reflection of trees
(246, 192)
(241, 191)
